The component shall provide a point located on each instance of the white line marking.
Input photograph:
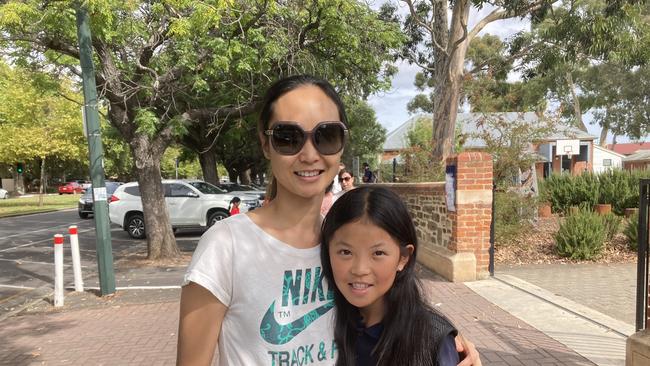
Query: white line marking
(18, 287)
(38, 241)
(134, 288)
(20, 261)
(35, 231)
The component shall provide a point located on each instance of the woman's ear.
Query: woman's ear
(265, 142)
(403, 260)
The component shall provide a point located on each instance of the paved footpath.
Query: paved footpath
(138, 327)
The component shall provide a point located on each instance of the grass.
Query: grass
(13, 206)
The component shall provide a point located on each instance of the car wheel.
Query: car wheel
(135, 226)
(216, 216)
(83, 215)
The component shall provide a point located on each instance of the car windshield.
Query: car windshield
(207, 188)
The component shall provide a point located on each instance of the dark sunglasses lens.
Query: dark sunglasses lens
(329, 138)
(288, 139)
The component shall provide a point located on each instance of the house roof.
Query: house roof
(629, 148)
(641, 155)
(608, 151)
(470, 122)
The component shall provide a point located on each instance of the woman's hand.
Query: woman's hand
(469, 352)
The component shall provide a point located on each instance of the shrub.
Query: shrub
(631, 231)
(564, 191)
(512, 215)
(612, 224)
(581, 236)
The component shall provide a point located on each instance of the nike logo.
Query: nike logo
(278, 334)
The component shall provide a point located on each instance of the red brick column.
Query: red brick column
(473, 216)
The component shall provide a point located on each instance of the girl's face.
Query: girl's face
(347, 182)
(307, 173)
(365, 260)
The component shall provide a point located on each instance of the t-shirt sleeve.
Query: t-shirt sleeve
(447, 354)
(212, 263)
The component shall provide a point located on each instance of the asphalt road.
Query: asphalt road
(27, 254)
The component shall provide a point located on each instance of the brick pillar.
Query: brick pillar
(471, 221)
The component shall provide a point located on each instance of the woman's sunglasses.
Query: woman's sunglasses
(288, 138)
(345, 179)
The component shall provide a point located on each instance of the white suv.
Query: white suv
(190, 204)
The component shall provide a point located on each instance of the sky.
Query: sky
(390, 106)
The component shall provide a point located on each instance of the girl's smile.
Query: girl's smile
(365, 261)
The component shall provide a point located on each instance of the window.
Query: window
(134, 190)
(177, 190)
(607, 162)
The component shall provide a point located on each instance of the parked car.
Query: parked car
(243, 189)
(86, 206)
(3, 194)
(70, 188)
(191, 204)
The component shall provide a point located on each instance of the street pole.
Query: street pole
(96, 152)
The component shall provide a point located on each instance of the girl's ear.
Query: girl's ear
(403, 260)
(265, 142)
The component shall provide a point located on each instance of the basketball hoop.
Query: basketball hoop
(568, 150)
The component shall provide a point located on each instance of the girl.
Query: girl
(234, 206)
(368, 250)
(255, 284)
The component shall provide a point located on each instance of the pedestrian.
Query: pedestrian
(368, 175)
(346, 178)
(255, 283)
(336, 188)
(233, 207)
(369, 245)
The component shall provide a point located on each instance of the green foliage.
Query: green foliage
(620, 188)
(187, 168)
(366, 135)
(631, 231)
(417, 160)
(612, 223)
(581, 236)
(513, 215)
(564, 191)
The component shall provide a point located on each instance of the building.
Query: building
(629, 148)
(606, 159)
(565, 149)
(638, 160)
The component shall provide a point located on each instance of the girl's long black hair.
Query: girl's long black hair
(408, 335)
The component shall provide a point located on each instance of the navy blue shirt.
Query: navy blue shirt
(368, 338)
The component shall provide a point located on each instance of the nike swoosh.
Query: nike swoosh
(278, 334)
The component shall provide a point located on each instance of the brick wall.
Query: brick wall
(454, 235)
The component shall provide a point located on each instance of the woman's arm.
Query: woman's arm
(199, 325)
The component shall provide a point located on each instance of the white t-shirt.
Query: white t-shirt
(336, 185)
(280, 308)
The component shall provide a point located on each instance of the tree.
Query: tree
(366, 136)
(162, 66)
(36, 122)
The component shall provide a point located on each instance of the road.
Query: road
(27, 254)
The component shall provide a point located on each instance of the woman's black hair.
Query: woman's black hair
(408, 335)
(283, 86)
(233, 200)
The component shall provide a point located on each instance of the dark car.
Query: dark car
(71, 188)
(86, 200)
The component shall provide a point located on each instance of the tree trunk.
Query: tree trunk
(160, 238)
(245, 177)
(576, 103)
(42, 183)
(449, 75)
(603, 137)
(208, 160)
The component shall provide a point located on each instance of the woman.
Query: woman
(347, 180)
(255, 282)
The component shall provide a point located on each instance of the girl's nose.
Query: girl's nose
(360, 267)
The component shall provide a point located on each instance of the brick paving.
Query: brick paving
(129, 331)
(607, 288)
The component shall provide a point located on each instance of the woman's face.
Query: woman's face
(306, 173)
(347, 182)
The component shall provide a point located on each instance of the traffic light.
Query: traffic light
(19, 168)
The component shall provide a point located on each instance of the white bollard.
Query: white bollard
(76, 260)
(58, 270)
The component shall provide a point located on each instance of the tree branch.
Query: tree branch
(499, 14)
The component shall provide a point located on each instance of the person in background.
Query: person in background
(328, 199)
(336, 188)
(368, 175)
(234, 206)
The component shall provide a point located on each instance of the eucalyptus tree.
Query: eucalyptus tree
(163, 66)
